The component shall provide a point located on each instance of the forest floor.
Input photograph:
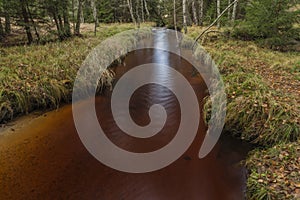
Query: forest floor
(264, 86)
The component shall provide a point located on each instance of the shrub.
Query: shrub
(271, 22)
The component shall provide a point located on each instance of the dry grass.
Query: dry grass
(275, 173)
(262, 87)
(263, 107)
(42, 76)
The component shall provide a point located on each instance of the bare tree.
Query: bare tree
(1, 30)
(146, 8)
(142, 10)
(234, 11)
(184, 9)
(174, 15)
(67, 27)
(214, 22)
(137, 11)
(201, 4)
(131, 11)
(194, 12)
(93, 5)
(78, 21)
(73, 16)
(229, 10)
(82, 20)
(218, 12)
(6, 10)
(26, 20)
(33, 22)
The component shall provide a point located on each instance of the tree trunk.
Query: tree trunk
(194, 13)
(131, 11)
(81, 13)
(146, 8)
(142, 10)
(26, 21)
(73, 16)
(93, 5)
(7, 14)
(218, 12)
(7, 23)
(1, 30)
(138, 13)
(33, 23)
(67, 27)
(184, 9)
(234, 11)
(201, 4)
(57, 23)
(78, 21)
(229, 10)
(174, 15)
(60, 21)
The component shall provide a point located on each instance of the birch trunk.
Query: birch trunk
(218, 12)
(201, 12)
(184, 7)
(229, 10)
(234, 11)
(137, 8)
(93, 5)
(73, 16)
(131, 11)
(146, 8)
(81, 13)
(174, 15)
(194, 13)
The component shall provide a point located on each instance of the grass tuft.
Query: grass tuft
(42, 76)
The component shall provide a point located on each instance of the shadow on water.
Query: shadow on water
(46, 159)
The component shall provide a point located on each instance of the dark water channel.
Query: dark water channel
(46, 160)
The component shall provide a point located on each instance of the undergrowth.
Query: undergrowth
(275, 173)
(262, 89)
(42, 76)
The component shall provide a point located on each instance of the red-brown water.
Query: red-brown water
(46, 159)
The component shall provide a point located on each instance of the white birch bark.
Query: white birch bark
(93, 5)
(229, 10)
(184, 8)
(146, 8)
(234, 11)
(194, 12)
(218, 12)
(201, 12)
(131, 11)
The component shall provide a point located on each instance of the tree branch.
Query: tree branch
(214, 22)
